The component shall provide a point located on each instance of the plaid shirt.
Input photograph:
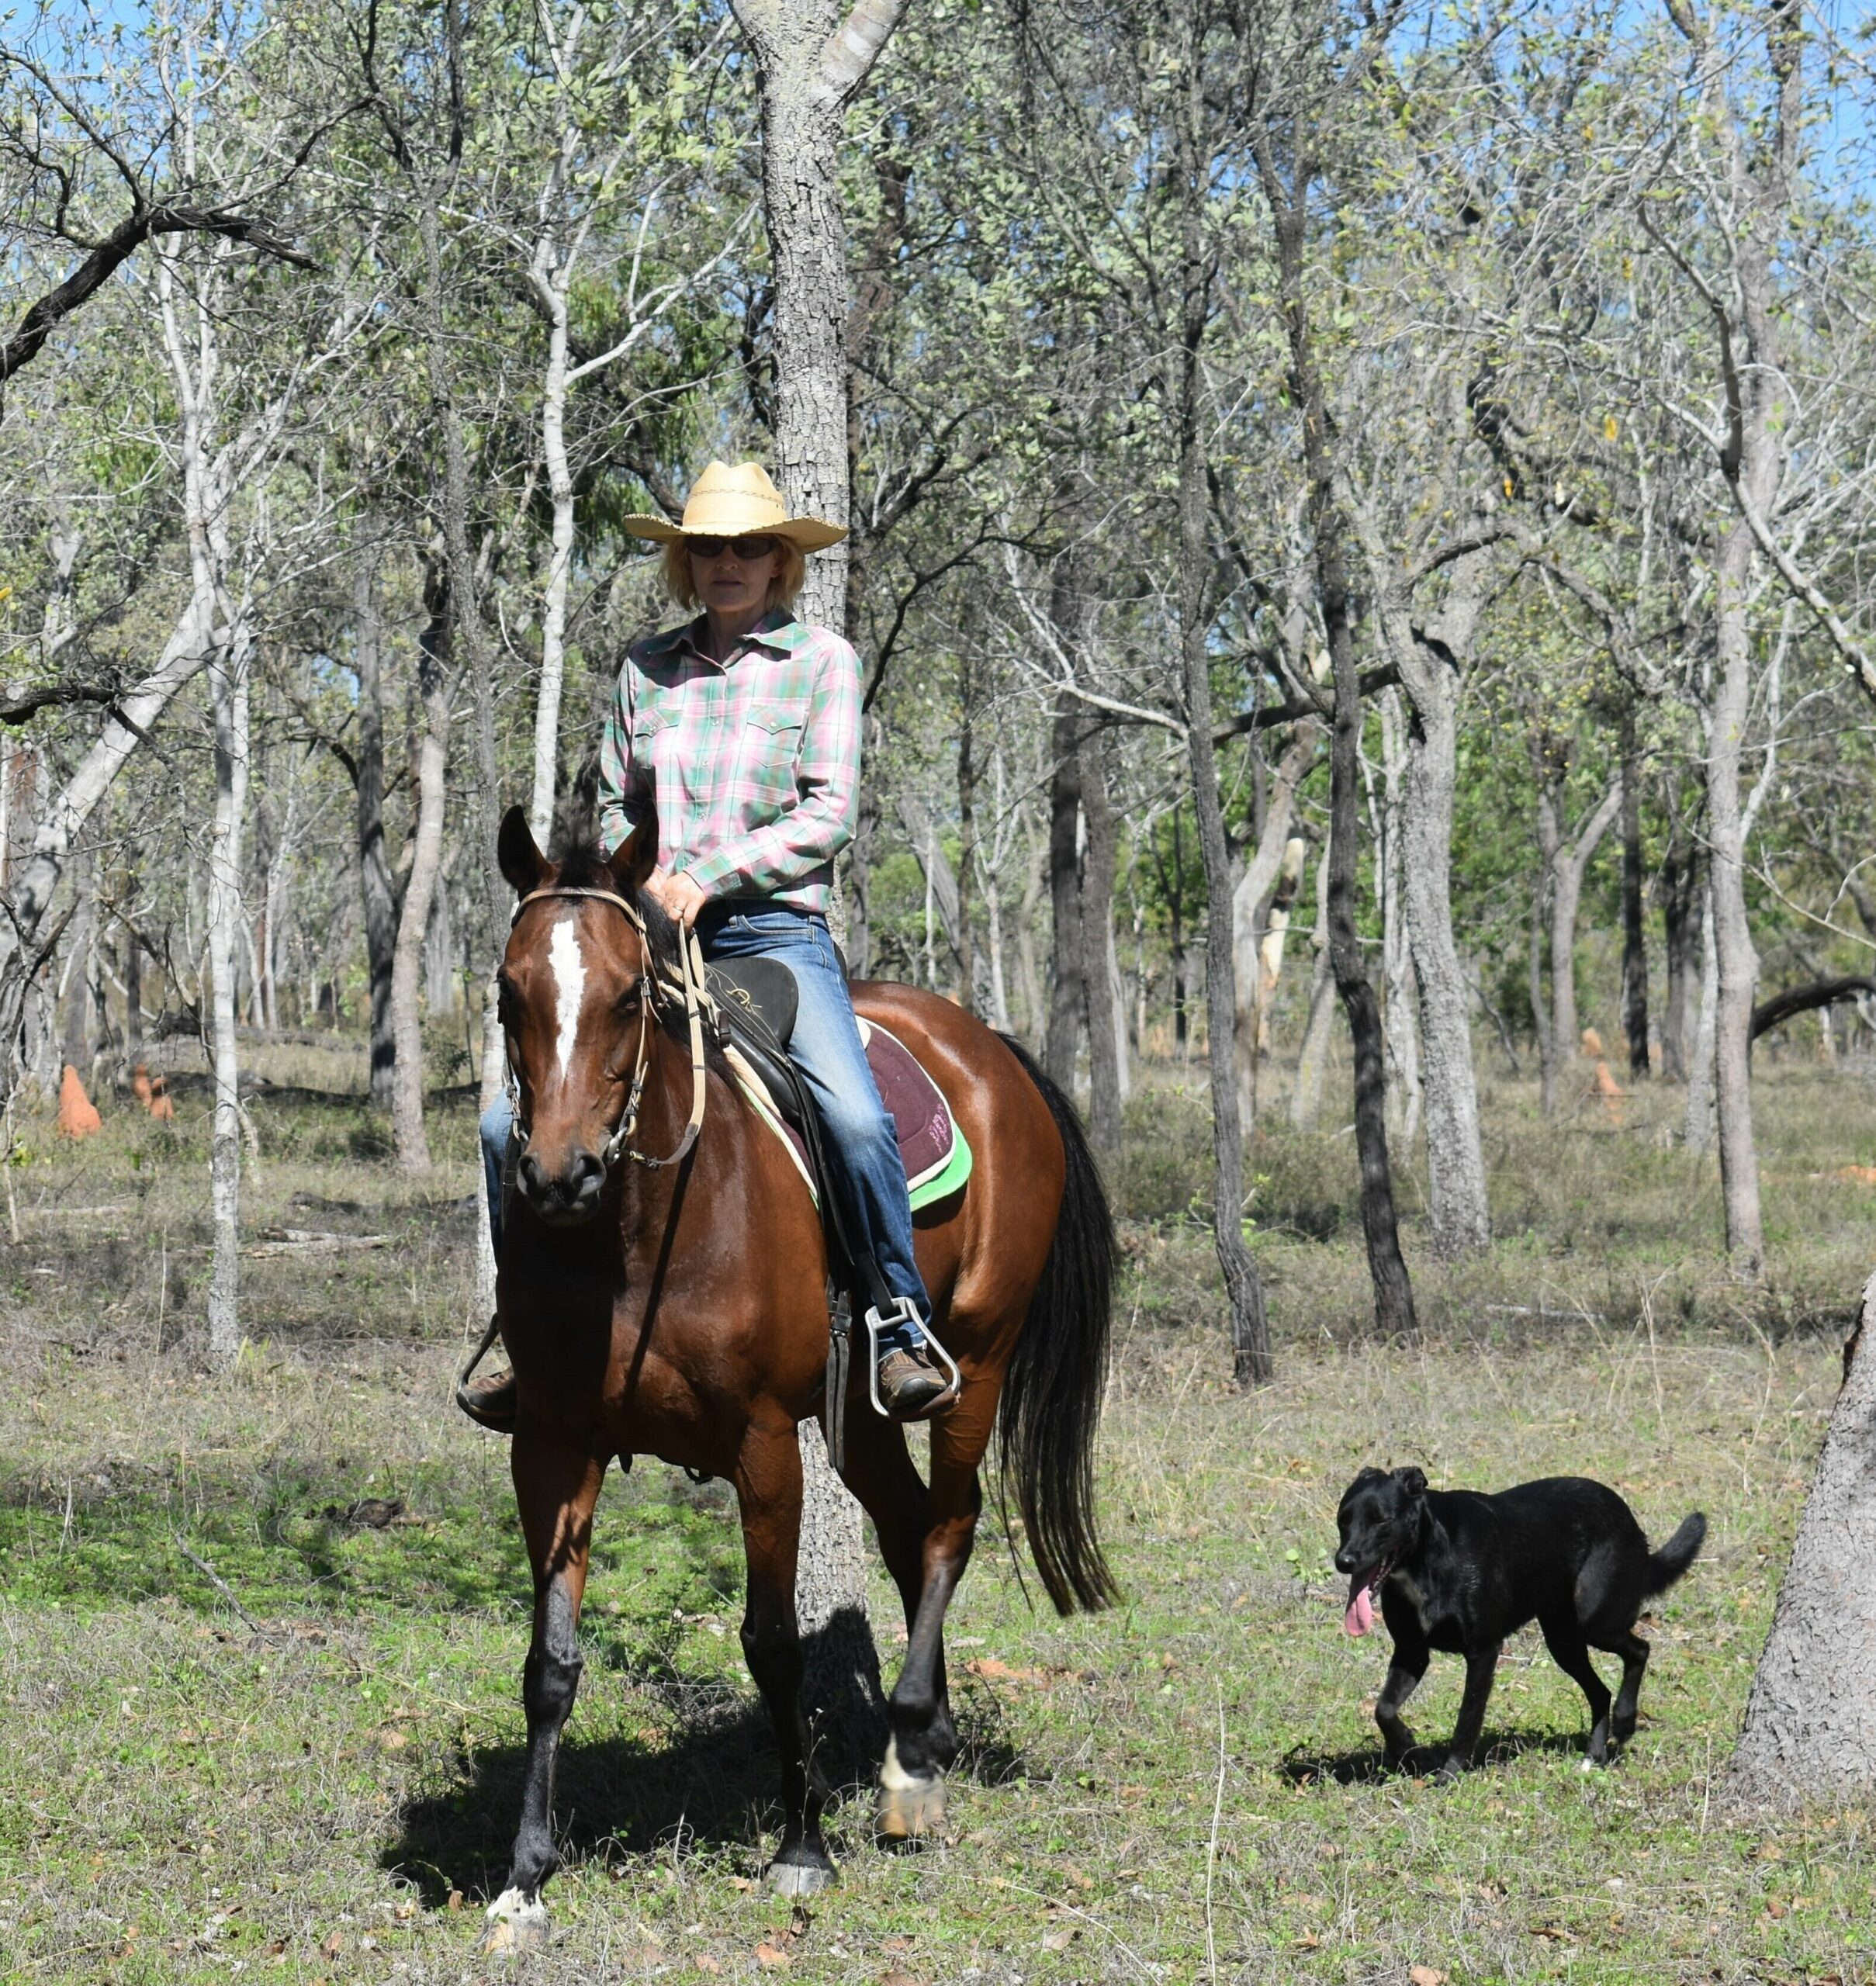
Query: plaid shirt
(754, 764)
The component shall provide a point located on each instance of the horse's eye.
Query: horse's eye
(630, 996)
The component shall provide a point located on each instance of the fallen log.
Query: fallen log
(1803, 999)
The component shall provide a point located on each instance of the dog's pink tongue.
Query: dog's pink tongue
(1361, 1614)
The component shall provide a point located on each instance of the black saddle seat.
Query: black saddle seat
(765, 987)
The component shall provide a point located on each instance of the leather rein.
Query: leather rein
(652, 995)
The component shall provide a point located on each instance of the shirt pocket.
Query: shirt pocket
(771, 742)
(648, 727)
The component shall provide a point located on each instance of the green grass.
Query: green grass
(1182, 1789)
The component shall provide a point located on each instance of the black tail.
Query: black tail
(1051, 1403)
(1666, 1565)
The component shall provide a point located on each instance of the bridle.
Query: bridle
(651, 994)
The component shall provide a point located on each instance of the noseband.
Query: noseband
(651, 994)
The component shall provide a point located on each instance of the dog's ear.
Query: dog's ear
(1412, 1481)
(1368, 1478)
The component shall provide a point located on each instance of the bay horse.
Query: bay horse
(680, 1310)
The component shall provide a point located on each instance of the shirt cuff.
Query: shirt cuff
(710, 874)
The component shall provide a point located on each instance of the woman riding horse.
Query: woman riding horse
(740, 729)
(663, 1270)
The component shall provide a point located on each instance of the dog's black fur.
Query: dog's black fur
(1458, 1571)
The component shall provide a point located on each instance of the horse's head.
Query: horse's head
(576, 972)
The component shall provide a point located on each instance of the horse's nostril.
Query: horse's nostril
(533, 1176)
(585, 1171)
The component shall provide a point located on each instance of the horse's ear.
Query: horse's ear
(521, 860)
(636, 856)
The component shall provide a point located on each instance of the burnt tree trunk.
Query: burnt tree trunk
(1681, 899)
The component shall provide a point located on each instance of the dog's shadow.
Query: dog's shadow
(1368, 1764)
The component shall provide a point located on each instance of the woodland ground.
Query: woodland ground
(1184, 1788)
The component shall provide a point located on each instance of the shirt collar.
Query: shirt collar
(778, 630)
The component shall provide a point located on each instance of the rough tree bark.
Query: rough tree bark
(1251, 901)
(1567, 862)
(1394, 1293)
(811, 56)
(1634, 937)
(1810, 1729)
(435, 655)
(1306, 1092)
(1100, 992)
(1251, 1354)
(1431, 659)
(228, 698)
(1068, 987)
(377, 889)
(1681, 901)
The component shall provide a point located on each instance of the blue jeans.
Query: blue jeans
(860, 1144)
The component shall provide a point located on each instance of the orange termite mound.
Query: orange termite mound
(1602, 1085)
(77, 1118)
(160, 1105)
(139, 1084)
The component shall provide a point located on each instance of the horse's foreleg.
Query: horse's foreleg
(925, 1537)
(769, 1489)
(556, 1488)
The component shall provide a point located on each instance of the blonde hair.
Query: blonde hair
(791, 570)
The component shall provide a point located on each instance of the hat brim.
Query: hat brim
(810, 534)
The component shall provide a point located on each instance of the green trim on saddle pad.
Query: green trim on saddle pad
(944, 1179)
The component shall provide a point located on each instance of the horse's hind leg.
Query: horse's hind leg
(556, 1488)
(925, 1537)
(769, 1489)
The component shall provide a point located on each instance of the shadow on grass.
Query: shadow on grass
(1365, 1766)
(715, 1788)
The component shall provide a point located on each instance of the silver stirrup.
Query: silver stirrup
(904, 1311)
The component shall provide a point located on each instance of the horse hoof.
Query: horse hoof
(909, 1805)
(804, 1872)
(518, 1925)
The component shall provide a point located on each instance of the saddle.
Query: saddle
(756, 1000)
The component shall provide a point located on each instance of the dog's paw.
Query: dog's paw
(1452, 1769)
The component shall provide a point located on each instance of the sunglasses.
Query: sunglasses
(745, 548)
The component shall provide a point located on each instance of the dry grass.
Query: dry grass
(1181, 1790)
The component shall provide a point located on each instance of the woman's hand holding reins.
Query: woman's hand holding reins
(677, 896)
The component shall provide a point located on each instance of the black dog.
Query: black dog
(1458, 1572)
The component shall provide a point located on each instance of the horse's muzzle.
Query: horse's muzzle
(565, 1198)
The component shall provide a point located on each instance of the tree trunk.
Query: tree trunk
(379, 898)
(1455, 1156)
(1635, 939)
(133, 999)
(78, 1038)
(1250, 905)
(1306, 1094)
(228, 696)
(1738, 962)
(1101, 994)
(1068, 988)
(964, 947)
(1401, 1017)
(1565, 864)
(1681, 899)
(1251, 1355)
(1699, 1130)
(811, 62)
(1810, 1729)
(1394, 1293)
(434, 675)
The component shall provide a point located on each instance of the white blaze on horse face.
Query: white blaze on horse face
(563, 954)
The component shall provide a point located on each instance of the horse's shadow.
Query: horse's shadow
(1366, 1764)
(715, 1788)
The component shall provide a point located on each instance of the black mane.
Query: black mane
(581, 861)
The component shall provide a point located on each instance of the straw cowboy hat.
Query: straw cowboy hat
(738, 503)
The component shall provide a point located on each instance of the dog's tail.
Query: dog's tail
(1666, 1565)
